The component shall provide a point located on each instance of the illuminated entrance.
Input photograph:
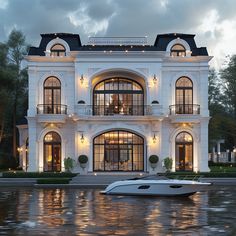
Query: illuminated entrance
(52, 152)
(118, 151)
(184, 152)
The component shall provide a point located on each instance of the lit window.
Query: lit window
(178, 50)
(58, 50)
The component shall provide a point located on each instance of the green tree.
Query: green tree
(17, 49)
(228, 76)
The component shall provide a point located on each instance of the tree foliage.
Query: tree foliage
(222, 105)
(13, 90)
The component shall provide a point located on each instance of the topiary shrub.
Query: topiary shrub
(168, 163)
(153, 159)
(83, 159)
(69, 164)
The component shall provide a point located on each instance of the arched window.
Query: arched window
(52, 152)
(118, 151)
(178, 50)
(118, 96)
(58, 50)
(52, 96)
(184, 96)
(184, 152)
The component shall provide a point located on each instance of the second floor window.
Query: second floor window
(52, 96)
(178, 50)
(120, 96)
(58, 50)
(184, 96)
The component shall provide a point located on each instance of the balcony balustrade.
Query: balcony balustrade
(51, 109)
(133, 110)
(191, 109)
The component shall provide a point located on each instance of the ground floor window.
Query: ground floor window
(52, 152)
(184, 152)
(118, 151)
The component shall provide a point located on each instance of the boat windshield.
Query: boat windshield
(151, 177)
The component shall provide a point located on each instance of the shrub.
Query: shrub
(83, 159)
(168, 163)
(37, 175)
(153, 159)
(155, 102)
(69, 164)
(7, 161)
(54, 181)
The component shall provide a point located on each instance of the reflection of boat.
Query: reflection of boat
(155, 187)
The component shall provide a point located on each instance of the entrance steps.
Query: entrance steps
(102, 178)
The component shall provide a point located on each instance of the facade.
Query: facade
(118, 101)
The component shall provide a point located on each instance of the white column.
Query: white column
(203, 147)
(33, 153)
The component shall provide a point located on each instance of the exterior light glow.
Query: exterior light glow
(154, 139)
(82, 138)
(154, 79)
(82, 79)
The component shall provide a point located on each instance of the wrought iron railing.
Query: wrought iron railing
(193, 109)
(51, 109)
(101, 110)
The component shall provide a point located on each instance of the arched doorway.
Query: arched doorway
(184, 96)
(52, 152)
(118, 95)
(184, 152)
(118, 150)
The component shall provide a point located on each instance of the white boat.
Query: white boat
(155, 187)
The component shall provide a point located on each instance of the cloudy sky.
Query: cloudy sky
(213, 21)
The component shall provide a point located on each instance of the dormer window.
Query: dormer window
(58, 50)
(178, 50)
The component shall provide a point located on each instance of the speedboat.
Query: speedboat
(155, 187)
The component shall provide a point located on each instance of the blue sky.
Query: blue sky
(213, 21)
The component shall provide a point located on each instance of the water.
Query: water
(29, 211)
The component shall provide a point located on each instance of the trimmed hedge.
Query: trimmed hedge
(228, 164)
(188, 175)
(37, 175)
(54, 181)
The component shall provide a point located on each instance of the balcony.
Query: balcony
(55, 113)
(124, 111)
(193, 109)
(181, 113)
(51, 109)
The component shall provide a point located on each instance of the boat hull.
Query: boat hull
(155, 188)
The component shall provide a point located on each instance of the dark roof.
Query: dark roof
(118, 48)
(161, 42)
(73, 41)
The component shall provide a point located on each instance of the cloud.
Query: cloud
(212, 21)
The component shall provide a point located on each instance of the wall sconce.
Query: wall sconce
(82, 79)
(154, 139)
(82, 138)
(20, 149)
(154, 79)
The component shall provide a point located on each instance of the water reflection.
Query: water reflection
(30, 211)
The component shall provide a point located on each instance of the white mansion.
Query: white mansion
(118, 101)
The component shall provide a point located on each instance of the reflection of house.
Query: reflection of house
(118, 100)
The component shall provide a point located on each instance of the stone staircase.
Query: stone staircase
(102, 179)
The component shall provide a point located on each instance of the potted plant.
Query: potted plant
(155, 102)
(69, 164)
(83, 159)
(153, 159)
(168, 164)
